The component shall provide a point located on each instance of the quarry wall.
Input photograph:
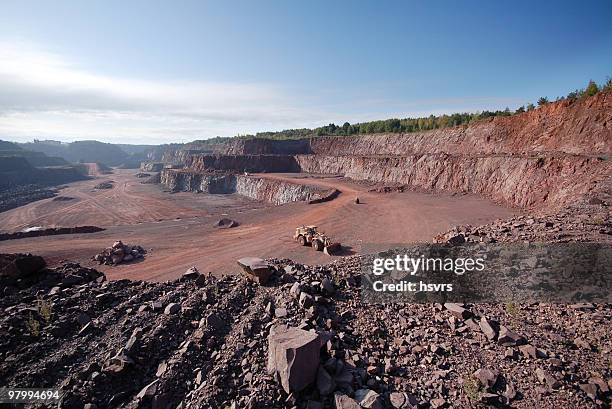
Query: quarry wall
(514, 180)
(242, 163)
(548, 157)
(581, 127)
(267, 147)
(270, 191)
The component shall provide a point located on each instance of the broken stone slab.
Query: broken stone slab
(293, 357)
(368, 399)
(509, 338)
(487, 377)
(149, 391)
(489, 398)
(295, 290)
(306, 300)
(486, 327)
(256, 268)
(590, 389)
(344, 402)
(601, 384)
(582, 343)
(547, 378)
(457, 310)
(119, 362)
(172, 308)
(402, 400)
(529, 351)
(214, 322)
(437, 403)
(20, 266)
(510, 392)
(191, 273)
(280, 312)
(328, 285)
(471, 324)
(133, 343)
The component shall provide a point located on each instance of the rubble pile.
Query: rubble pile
(51, 231)
(226, 223)
(119, 253)
(585, 223)
(142, 175)
(104, 185)
(15, 196)
(303, 340)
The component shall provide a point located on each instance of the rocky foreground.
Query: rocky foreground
(304, 340)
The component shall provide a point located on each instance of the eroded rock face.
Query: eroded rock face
(293, 356)
(242, 163)
(278, 192)
(266, 190)
(555, 127)
(515, 180)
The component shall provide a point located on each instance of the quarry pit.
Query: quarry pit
(411, 187)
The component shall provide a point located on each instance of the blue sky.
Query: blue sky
(156, 72)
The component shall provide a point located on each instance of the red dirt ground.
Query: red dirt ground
(176, 229)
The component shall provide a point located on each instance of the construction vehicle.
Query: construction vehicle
(309, 235)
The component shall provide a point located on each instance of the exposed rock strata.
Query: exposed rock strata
(518, 181)
(243, 163)
(271, 191)
(547, 158)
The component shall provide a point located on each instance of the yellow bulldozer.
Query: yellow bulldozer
(310, 235)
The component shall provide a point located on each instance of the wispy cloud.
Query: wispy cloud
(46, 95)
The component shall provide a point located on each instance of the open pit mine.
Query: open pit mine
(183, 326)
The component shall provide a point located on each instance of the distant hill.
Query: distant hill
(135, 149)
(81, 151)
(36, 159)
(9, 146)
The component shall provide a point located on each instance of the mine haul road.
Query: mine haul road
(177, 229)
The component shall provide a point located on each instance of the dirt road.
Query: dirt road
(177, 231)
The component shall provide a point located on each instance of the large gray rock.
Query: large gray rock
(293, 357)
(256, 268)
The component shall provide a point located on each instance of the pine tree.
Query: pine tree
(591, 89)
